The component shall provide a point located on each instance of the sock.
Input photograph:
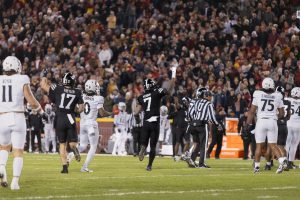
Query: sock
(3, 157)
(257, 164)
(281, 159)
(151, 157)
(17, 166)
(90, 155)
(65, 167)
(268, 163)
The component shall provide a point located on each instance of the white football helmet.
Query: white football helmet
(48, 108)
(295, 92)
(122, 106)
(12, 63)
(163, 110)
(90, 86)
(268, 83)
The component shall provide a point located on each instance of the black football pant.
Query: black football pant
(38, 135)
(199, 134)
(150, 131)
(136, 134)
(216, 139)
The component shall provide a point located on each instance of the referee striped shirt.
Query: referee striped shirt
(202, 110)
(133, 122)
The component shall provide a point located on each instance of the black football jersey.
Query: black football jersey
(64, 98)
(150, 102)
(287, 108)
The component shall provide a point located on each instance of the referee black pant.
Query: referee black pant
(199, 134)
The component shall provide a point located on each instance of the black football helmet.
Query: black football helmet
(202, 92)
(280, 89)
(68, 79)
(149, 84)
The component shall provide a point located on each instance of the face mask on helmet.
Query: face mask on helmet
(202, 93)
(68, 80)
(280, 90)
(149, 84)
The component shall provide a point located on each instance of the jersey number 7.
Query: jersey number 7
(148, 101)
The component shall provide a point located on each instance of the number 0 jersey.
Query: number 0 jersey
(150, 102)
(64, 98)
(295, 109)
(267, 104)
(11, 92)
(91, 106)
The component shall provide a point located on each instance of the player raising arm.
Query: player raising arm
(14, 87)
(150, 103)
(89, 132)
(68, 101)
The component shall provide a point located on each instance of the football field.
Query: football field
(126, 178)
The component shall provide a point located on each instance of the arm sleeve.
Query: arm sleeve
(212, 114)
(279, 101)
(52, 92)
(80, 99)
(26, 80)
(100, 102)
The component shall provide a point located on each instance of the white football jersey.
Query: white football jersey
(295, 109)
(267, 104)
(122, 120)
(91, 106)
(11, 92)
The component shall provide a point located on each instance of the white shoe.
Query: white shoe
(85, 169)
(14, 185)
(3, 176)
(176, 158)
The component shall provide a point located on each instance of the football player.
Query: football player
(293, 137)
(266, 102)
(48, 120)
(150, 103)
(89, 132)
(14, 87)
(68, 102)
(122, 126)
(164, 127)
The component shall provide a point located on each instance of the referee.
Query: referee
(200, 112)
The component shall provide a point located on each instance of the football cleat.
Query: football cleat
(14, 185)
(268, 167)
(203, 166)
(65, 171)
(77, 154)
(280, 169)
(149, 168)
(176, 158)
(85, 169)
(3, 177)
(191, 163)
(142, 153)
(291, 165)
(256, 170)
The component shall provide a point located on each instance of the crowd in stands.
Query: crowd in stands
(226, 45)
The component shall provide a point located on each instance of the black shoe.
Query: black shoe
(76, 154)
(65, 169)
(268, 167)
(3, 183)
(272, 163)
(203, 166)
(149, 168)
(142, 153)
(291, 165)
(256, 170)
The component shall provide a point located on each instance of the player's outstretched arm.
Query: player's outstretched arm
(104, 113)
(174, 66)
(45, 86)
(30, 98)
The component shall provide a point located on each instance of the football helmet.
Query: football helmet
(163, 110)
(12, 63)
(202, 92)
(280, 89)
(48, 108)
(68, 79)
(295, 92)
(90, 86)
(268, 84)
(149, 84)
(122, 106)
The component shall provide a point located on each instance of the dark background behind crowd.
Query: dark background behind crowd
(228, 46)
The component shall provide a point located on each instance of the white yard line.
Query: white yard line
(114, 192)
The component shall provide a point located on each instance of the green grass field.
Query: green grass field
(126, 178)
